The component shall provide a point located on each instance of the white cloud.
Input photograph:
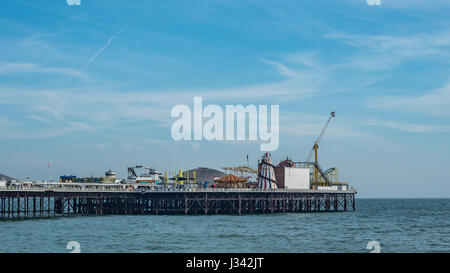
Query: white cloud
(9, 68)
(378, 52)
(22, 132)
(101, 146)
(102, 109)
(433, 103)
(4, 122)
(404, 4)
(37, 118)
(414, 45)
(132, 147)
(407, 127)
(297, 124)
(283, 69)
(306, 59)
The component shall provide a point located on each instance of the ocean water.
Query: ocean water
(398, 225)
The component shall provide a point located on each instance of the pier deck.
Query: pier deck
(38, 203)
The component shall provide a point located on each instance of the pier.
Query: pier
(29, 203)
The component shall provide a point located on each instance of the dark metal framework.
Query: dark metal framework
(34, 204)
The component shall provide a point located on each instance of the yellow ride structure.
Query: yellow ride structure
(320, 177)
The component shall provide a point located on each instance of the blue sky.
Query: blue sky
(91, 86)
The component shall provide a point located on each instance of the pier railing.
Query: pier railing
(129, 188)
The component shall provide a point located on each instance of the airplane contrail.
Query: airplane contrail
(102, 48)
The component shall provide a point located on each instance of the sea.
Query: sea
(377, 225)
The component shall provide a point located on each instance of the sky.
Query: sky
(91, 86)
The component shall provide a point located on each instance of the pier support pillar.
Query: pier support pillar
(239, 203)
(206, 203)
(345, 202)
(185, 205)
(353, 198)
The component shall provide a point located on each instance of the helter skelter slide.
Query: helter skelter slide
(266, 173)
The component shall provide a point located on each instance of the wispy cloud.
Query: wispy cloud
(37, 118)
(407, 126)
(19, 131)
(9, 68)
(132, 148)
(413, 45)
(112, 107)
(385, 51)
(306, 59)
(101, 146)
(4, 122)
(433, 103)
(283, 69)
(298, 124)
(400, 5)
(92, 58)
(306, 125)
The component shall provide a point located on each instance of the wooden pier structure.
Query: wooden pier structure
(29, 204)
